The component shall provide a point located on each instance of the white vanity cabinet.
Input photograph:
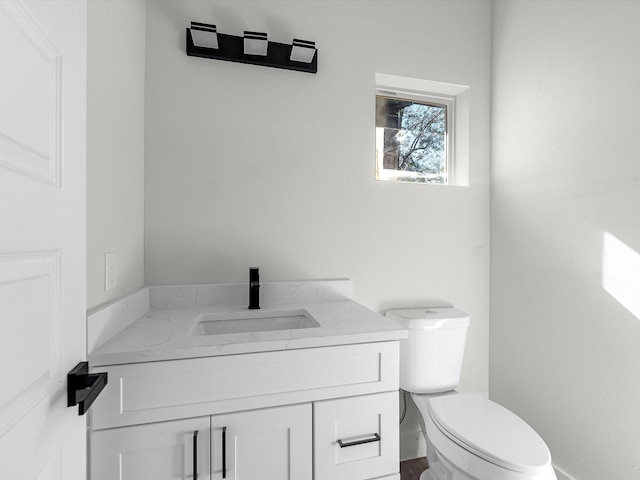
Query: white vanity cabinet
(326, 413)
(266, 443)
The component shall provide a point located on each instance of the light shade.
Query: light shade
(303, 51)
(255, 43)
(204, 35)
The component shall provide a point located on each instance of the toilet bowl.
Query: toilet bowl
(479, 439)
(468, 437)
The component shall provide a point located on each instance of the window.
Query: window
(412, 139)
(421, 131)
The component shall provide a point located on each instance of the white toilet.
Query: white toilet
(468, 436)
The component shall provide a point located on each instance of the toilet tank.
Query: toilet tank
(431, 356)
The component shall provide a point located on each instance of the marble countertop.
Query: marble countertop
(162, 333)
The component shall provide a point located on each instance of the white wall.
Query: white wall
(115, 163)
(253, 166)
(565, 309)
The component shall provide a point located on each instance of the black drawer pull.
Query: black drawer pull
(224, 452)
(195, 455)
(375, 438)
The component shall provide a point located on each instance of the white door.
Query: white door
(42, 236)
(267, 444)
(157, 451)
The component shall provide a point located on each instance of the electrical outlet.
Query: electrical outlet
(110, 271)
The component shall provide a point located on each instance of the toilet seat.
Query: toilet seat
(489, 431)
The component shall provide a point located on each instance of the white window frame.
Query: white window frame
(456, 99)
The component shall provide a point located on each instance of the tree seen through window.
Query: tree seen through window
(414, 139)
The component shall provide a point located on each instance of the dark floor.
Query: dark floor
(411, 469)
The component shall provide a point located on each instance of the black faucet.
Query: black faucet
(254, 289)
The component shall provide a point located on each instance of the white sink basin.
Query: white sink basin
(252, 321)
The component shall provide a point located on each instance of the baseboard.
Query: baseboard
(412, 445)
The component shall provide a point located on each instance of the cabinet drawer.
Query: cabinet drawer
(158, 391)
(356, 438)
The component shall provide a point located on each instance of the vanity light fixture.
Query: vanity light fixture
(302, 51)
(255, 43)
(204, 35)
(203, 40)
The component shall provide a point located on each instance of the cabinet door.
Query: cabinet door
(356, 438)
(158, 451)
(266, 444)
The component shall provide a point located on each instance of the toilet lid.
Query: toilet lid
(490, 431)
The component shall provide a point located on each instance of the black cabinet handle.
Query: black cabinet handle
(83, 387)
(195, 455)
(224, 452)
(375, 438)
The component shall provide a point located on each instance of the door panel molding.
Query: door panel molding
(52, 470)
(29, 289)
(31, 141)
